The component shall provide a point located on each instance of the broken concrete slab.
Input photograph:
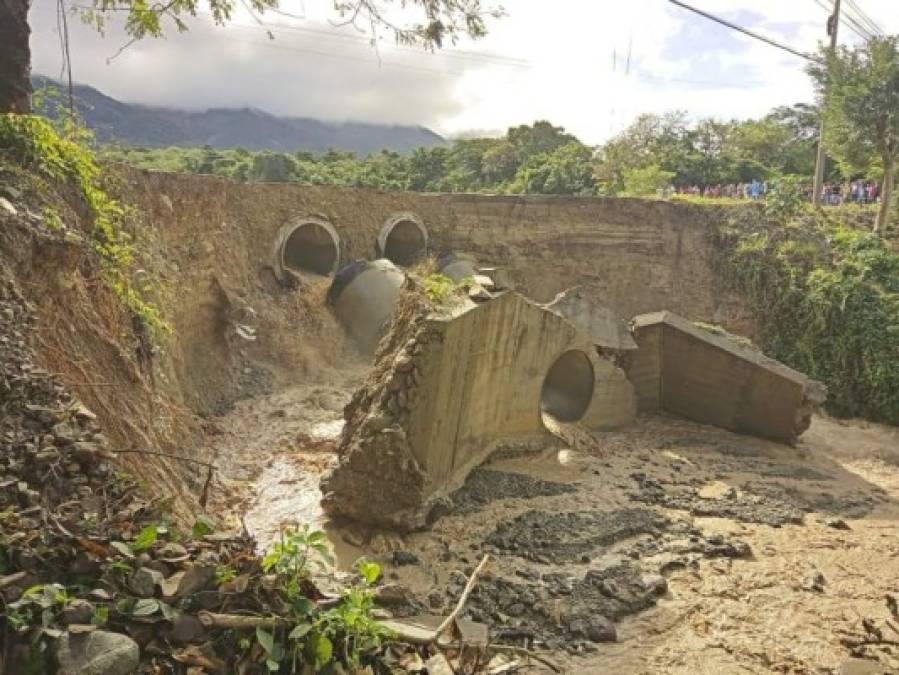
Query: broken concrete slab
(685, 370)
(606, 329)
(449, 386)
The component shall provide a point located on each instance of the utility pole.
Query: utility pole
(833, 26)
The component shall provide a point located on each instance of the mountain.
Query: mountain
(146, 126)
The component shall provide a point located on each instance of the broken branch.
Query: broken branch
(239, 622)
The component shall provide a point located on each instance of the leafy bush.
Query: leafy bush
(37, 145)
(825, 300)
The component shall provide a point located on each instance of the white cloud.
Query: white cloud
(555, 62)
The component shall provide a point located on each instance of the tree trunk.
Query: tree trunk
(886, 192)
(15, 57)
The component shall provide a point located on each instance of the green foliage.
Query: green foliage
(438, 288)
(224, 574)
(145, 539)
(319, 638)
(825, 300)
(646, 182)
(38, 605)
(33, 142)
(203, 525)
(860, 89)
(786, 200)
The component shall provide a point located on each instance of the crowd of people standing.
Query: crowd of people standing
(854, 192)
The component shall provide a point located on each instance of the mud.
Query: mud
(485, 485)
(564, 537)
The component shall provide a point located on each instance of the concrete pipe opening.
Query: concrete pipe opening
(311, 246)
(568, 387)
(403, 240)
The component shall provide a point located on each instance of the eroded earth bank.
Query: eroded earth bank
(635, 518)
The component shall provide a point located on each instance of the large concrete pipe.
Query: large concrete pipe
(309, 245)
(457, 266)
(403, 239)
(568, 387)
(363, 295)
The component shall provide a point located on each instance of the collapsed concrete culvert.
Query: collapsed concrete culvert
(363, 295)
(707, 378)
(310, 245)
(568, 387)
(457, 266)
(403, 239)
(447, 389)
(607, 330)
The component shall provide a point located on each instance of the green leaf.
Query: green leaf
(101, 615)
(300, 630)
(273, 665)
(370, 571)
(203, 525)
(265, 639)
(323, 651)
(146, 538)
(145, 607)
(270, 560)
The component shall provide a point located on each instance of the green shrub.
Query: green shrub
(34, 142)
(825, 300)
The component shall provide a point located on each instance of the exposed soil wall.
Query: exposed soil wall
(637, 256)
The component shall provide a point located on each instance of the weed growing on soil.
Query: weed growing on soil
(34, 143)
(313, 633)
(825, 300)
(440, 288)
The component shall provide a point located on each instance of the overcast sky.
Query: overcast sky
(561, 60)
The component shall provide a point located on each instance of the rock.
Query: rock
(97, 653)
(77, 612)
(600, 629)
(392, 594)
(196, 578)
(6, 206)
(401, 558)
(837, 524)
(655, 583)
(815, 582)
(172, 553)
(85, 452)
(144, 581)
(185, 629)
(435, 600)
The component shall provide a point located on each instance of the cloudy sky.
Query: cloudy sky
(588, 65)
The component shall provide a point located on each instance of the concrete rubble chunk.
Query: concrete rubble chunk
(606, 329)
(690, 372)
(97, 653)
(482, 375)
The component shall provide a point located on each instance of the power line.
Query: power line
(866, 20)
(745, 31)
(846, 20)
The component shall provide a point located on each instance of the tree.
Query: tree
(646, 182)
(860, 92)
(15, 57)
(438, 21)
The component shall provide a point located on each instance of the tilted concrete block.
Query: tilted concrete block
(450, 386)
(711, 379)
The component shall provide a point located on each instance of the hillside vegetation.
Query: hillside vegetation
(655, 152)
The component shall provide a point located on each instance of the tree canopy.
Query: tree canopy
(860, 91)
